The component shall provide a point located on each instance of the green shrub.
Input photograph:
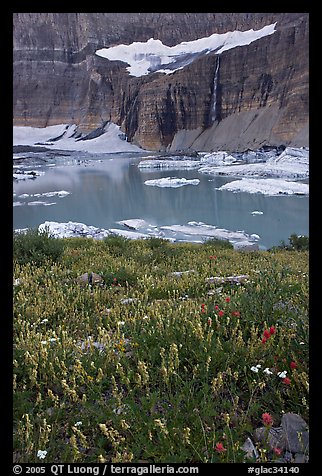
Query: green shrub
(117, 245)
(218, 244)
(36, 246)
(299, 242)
(296, 242)
(119, 277)
(155, 243)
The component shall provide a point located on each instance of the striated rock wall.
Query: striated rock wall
(261, 91)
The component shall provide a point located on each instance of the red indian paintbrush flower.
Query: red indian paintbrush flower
(267, 419)
(221, 313)
(272, 330)
(293, 365)
(235, 313)
(227, 299)
(220, 448)
(266, 334)
(286, 380)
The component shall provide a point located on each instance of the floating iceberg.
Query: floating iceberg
(192, 232)
(209, 231)
(267, 187)
(30, 174)
(73, 229)
(168, 164)
(292, 163)
(172, 182)
(134, 223)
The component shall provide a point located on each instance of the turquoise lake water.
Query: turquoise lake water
(103, 190)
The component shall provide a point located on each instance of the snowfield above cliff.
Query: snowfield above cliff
(153, 56)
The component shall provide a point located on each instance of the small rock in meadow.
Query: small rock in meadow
(250, 449)
(275, 437)
(89, 278)
(246, 246)
(297, 434)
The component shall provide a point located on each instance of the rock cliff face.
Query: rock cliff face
(259, 92)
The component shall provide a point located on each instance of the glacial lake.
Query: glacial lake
(105, 189)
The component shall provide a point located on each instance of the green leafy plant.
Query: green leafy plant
(36, 246)
(296, 242)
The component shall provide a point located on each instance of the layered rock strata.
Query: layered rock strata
(260, 91)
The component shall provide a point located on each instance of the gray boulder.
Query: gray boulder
(296, 431)
(246, 246)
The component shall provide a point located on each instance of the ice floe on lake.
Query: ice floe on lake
(267, 186)
(292, 163)
(286, 168)
(73, 229)
(193, 231)
(24, 174)
(201, 229)
(172, 182)
(58, 193)
(39, 202)
(168, 164)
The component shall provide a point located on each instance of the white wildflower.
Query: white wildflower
(254, 369)
(78, 423)
(41, 454)
(44, 321)
(267, 371)
(282, 374)
(43, 342)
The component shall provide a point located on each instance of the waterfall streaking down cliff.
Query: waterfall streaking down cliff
(214, 109)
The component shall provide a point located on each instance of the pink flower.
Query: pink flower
(227, 299)
(293, 365)
(272, 330)
(216, 307)
(286, 380)
(278, 451)
(235, 313)
(264, 340)
(221, 313)
(220, 448)
(267, 419)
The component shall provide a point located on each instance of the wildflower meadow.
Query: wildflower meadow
(175, 355)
